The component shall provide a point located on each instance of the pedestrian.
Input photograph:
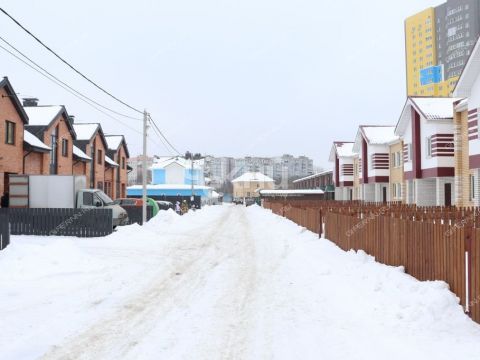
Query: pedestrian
(5, 201)
(184, 207)
(178, 210)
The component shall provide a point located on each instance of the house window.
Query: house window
(398, 193)
(398, 159)
(99, 157)
(53, 151)
(472, 187)
(429, 146)
(9, 133)
(64, 147)
(123, 163)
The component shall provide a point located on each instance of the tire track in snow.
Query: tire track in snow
(114, 336)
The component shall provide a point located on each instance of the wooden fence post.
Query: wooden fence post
(468, 263)
(320, 231)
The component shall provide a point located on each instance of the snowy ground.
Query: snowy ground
(223, 283)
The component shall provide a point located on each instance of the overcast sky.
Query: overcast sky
(227, 78)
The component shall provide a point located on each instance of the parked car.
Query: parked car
(129, 202)
(165, 205)
(137, 202)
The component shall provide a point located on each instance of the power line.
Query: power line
(67, 63)
(164, 137)
(66, 89)
(62, 82)
(169, 149)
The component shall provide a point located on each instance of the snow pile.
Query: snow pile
(225, 282)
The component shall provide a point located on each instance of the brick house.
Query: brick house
(117, 170)
(427, 130)
(91, 141)
(52, 126)
(80, 161)
(372, 165)
(12, 122)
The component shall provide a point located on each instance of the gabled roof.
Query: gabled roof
(110, 162)
(32, 143)
(5, 83)
(469, 74)
(253, 177)
(342, 149)
(164, 162)
(430, 108)
(313, 176)
(374, 135)
(43, 116)
(115, 141)
(80, 155)
(86, 132)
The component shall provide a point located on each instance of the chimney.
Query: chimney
(30, 101)
(71, 119)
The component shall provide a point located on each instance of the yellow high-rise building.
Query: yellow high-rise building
(420, 54)
(438, 42)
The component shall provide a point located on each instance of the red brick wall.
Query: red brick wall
(11, 156)
(79, 168)
(65, 164)
(99, 168)
(123, 171)
(34, 163)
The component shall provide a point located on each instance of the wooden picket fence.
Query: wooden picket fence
(432, 243)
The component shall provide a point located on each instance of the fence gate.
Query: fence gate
(4, 231)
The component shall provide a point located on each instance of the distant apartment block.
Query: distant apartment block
(438, 43)
(281, 168)
(135, 175)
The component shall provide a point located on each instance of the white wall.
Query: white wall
(342, 161)
(372, 149)
(407, 139)
(174, 174)
(429, 128)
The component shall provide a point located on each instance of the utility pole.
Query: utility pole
(144, 168)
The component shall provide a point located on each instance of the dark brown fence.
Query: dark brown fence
(4, 231)
(64, 222)
(432, 243)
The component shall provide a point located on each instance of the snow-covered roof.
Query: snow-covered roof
(290, 192)
(215, 194)
(110, 162)
(42, 115)
(80, 154)
(374, 135)
(33, 141)
(164, 162)
(113, 141)
(85, 132)
(253, 177)
(342, 149)
(430, 108)
(435, 108)
(313, 176)
(379, 134)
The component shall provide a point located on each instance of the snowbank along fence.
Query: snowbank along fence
(432, 243)
(64, 222)
(4, 231)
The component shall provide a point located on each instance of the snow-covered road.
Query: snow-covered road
(226, 282)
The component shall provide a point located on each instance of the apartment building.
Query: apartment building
(438, 43)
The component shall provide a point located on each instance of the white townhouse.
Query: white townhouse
(343, 157)
(372, 144)
(427, 130)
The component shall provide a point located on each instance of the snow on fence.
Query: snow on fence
(65, 222)
(432, 243)
(4, 231)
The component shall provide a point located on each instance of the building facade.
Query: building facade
(249, 184)
(427, 130)
(438, 43)
(343, 158)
